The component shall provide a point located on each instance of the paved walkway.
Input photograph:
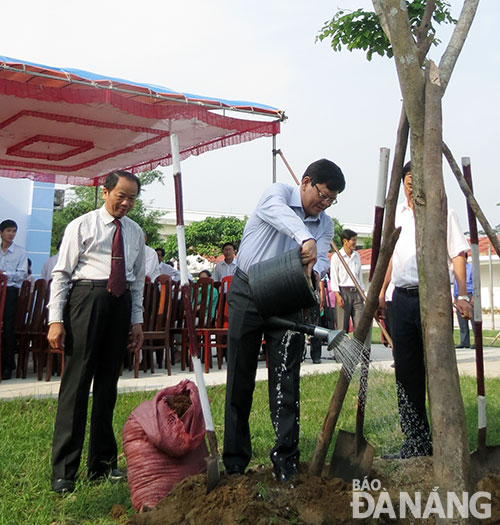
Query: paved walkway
(381, 358)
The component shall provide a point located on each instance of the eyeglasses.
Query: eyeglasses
(322, 196)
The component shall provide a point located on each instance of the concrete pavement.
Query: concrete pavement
(381, 358)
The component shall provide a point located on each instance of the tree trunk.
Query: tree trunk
(451, 451)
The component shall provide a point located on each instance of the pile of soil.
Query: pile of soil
(257, 498)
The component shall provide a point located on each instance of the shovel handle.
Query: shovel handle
(363, 390)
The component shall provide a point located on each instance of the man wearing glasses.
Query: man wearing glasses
(286, 218)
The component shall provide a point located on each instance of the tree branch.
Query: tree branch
(423, 28)
(457, 40)
(471, 199)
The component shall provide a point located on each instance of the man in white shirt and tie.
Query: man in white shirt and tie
(96, 300)
(14, 264)
(349, 303)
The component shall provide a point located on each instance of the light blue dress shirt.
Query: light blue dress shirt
(14, 263)
(279, 224)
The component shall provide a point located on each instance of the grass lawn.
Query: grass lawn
(26, 437)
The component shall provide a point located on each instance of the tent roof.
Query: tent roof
(74, 127)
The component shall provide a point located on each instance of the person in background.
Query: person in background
(228, 265)
(14, 264)
(349, 303)
(464, 323)
(49, 264)
(95, 303)
(406, 327)
(286, 218)
(151, 261)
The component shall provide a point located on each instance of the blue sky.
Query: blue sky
(340, 106)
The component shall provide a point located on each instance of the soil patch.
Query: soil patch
(257, 498)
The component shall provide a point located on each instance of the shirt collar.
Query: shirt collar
(296, 202)
(106, 217)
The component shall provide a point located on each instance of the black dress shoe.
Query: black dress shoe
(114, 475)
(235, 470)
(317, 361)
(284, 474)
(6, 374)
(63, 486)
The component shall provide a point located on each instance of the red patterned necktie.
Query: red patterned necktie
(117, 283)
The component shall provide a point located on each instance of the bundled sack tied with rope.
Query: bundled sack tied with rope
(163, 440)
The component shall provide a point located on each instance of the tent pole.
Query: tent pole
(95, 197)
(186, 289)
(274, 158)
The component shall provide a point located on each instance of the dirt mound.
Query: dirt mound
(258, 499)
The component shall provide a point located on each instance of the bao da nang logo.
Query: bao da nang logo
(369, 499)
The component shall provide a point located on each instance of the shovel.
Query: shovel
(484, 460)
(353, 455)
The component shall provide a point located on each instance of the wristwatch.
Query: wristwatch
(463, 298)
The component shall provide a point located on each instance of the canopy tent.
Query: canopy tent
(73, 127)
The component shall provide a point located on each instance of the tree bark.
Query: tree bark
(451, 452)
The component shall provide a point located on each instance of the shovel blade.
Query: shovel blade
(352, 457)
(484, 461)
(213, 472)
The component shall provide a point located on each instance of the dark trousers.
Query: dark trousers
(9, 329)
(410, 373)
(246, 327)
(464, 329)
(353, 306)
(97, 326)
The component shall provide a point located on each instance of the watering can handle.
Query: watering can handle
(308, 329)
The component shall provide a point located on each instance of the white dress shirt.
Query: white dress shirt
(85, 253)
(338, 273)
(222, 269)
(48, 266)
(404, 259)
(14, 264)
(152, 263)
(279, 224)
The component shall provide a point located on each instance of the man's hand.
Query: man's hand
(56, 335)
(136, 337)
(308, 255)
(465, 308)
(339, 300)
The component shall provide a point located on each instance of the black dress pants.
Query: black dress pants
(410, 373)
(246, 327)
(9, 329)
(97, 326)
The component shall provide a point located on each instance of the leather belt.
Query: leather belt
(94, 283)
(412, 291)
(348, 288)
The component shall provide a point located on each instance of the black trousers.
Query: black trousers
(9, 329)
(410, 373)
(246, 327)
(97, 326)
(316, 342)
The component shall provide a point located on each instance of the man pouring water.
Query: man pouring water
(286, 218)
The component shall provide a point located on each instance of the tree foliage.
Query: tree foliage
(84, 200)
(337, 230)
(361, 29)
(207, 237)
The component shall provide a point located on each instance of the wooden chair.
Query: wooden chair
(216, 336)
(3, 293)
(34, 336)
(178, 329)
(156, 328)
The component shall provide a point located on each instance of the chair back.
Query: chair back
(222, 317)
(165, 295)
(37, 312)
(203, 300)
(23, 307)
